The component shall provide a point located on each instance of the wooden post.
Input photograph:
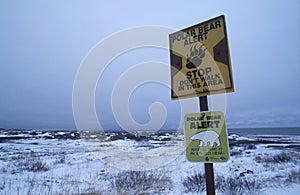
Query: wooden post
(209, 168)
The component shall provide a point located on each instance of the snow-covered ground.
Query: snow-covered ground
(70, 162)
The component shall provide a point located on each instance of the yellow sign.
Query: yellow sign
(206, 137)
(200, 60)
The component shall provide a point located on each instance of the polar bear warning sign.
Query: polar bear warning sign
(206, 137)
(200, 60)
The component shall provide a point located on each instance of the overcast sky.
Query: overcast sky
(44, 42)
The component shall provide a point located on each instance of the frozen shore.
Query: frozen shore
(72, 162)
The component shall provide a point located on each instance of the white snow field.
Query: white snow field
(70, 162)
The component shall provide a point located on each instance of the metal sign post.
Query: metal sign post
(209, 167)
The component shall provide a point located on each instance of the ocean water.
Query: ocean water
(266, 131)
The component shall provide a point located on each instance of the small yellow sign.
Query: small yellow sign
(200, 60)
(206, 137)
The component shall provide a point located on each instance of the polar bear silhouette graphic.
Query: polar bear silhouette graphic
(207, 136)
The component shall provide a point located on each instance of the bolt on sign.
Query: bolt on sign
(200, 60)
(206, 137)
